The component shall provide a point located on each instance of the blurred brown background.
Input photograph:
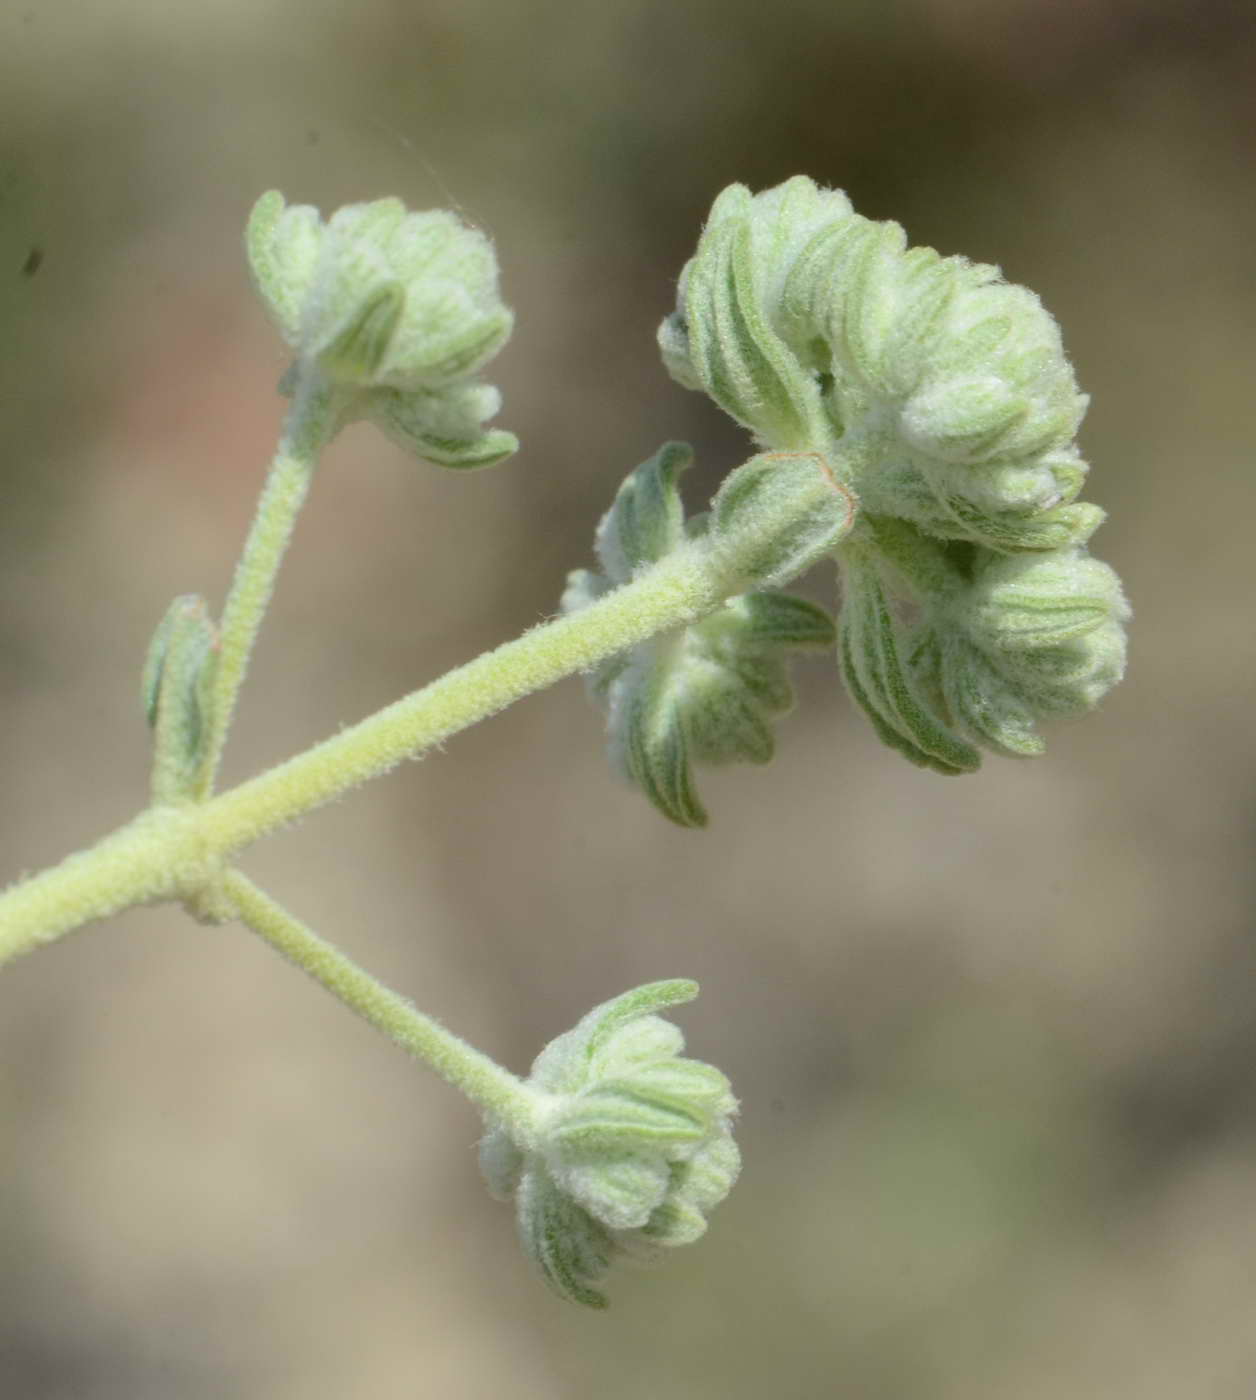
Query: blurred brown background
(995, 1038)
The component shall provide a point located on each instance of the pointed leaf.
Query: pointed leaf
(646, 520)
(657, 754)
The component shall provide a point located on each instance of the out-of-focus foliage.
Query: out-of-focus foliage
(1022, 1010)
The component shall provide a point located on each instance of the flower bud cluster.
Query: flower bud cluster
(396, 311)
(941, 396)
(999, 643)
(709, 692)
(631, 1148)
(1030, 636)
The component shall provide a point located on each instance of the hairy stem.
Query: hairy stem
(142, 862)
(677, 590)
(482, 1080)
(309, 425)
(168, 850)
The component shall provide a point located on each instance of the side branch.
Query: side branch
(480, 1078)
(169, 851)
(679, 589)
(311, 423)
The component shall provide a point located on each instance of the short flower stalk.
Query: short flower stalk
(913, 421)
(615, 1144)
(311, 424)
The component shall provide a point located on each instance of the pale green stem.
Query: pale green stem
(682, 587)
(310, 424)
(178, 851)
(136, 864)
(168, 850)
(482, 1080)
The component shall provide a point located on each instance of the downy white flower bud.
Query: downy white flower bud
(941, 398)
(1035, 636)
(1003, 644)
(395, 310)
(631, 1150)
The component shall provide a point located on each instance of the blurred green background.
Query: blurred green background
(994, 1037)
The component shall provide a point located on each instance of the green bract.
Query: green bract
(397, 311)
(1002, 644)
(176, 691)
(940, 396)
(709, 692)
(632, 1148)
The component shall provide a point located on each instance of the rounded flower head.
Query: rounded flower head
(942, 398)
(816, 327)
(395, 310)
(631, 1148)
(1032, 637)
(1000, 643)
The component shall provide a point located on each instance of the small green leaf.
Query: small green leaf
(647, 519)
(656, 752)
(177, 686)
(618, 1188)
(873, 671)
(726, 721)
(444, 426)
(742, 362)
(1016, 530)
(962, 420)
(771, 618)
(356, 354)
(984, 703)
(616, 1116)
(570, 1248)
